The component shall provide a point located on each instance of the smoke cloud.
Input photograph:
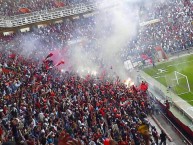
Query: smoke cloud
(93, 47)
(114, 28)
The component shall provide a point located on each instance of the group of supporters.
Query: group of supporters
(11, 8)
(40, 103)
(173, 32)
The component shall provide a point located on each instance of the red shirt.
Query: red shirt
(1, 131)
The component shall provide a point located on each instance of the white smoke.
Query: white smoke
(114, 28)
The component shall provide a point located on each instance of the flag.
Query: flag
(161, 52)
(143, 86)
(144, 56)
(24, 10)
(106, 141)
(59, 4)
(49, 55)
(12, 56)
(8, 70)
(61, 62)
(143, 129)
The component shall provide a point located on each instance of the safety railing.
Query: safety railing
(180, 134)
(184, 139)
(34, 17)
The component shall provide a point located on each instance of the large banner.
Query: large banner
(160, 53)
(24, 10)
(59, 4)
(128, 65)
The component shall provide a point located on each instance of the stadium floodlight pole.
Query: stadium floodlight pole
(185, 77)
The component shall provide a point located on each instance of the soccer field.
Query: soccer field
(164, 73)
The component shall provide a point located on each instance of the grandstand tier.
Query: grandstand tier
(65, 69)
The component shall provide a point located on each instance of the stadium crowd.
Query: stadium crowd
(11, 8)
(38, 103)
(173, 32)
(167, 33)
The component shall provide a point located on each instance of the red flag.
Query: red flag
(52, 93)
(144, 56)
(6, 70)
(143, 87)
(106, 141)
(49, 55)
(12, 56)
(61, 62)
(59, 4)
(24, 10)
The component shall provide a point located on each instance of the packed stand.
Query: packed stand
(11, 8)
(50, 36)
(56, 36)
(173, 32)
(38, 103)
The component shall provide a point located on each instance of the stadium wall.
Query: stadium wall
(187, 132)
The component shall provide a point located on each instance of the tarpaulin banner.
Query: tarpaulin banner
(24, 10)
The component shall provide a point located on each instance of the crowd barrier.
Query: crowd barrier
(177, 131)
(186, 131)
(182, 130)
(45, 15)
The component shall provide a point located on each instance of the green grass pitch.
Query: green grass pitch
(183, 65)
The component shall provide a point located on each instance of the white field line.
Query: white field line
(183, 101)
(179, 63)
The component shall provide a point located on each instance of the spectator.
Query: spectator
(155, 134)
(163, 138)
(167, 105)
